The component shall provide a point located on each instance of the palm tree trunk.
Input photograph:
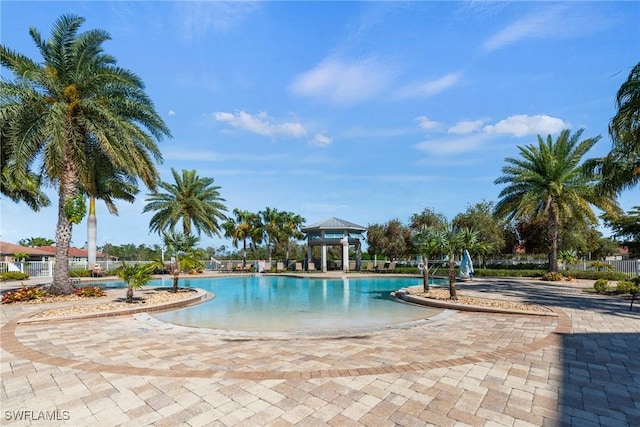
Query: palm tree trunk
(553, 239)
(452, 278)
(425, 273)
(92, 232)
(244, 252)
(64, 230)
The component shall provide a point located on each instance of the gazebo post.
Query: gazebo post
(324, 258)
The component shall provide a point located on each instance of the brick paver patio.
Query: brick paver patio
(580, 368)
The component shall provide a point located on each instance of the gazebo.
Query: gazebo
(335, 232)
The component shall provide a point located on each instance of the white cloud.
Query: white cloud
(523, 125)
(425, 123)
(466, 126)
(548, 22)
(196, 18)
(320, 140)
(449, 146)
(430, 87)
(171, 113)
(343, 83)
(260, 124)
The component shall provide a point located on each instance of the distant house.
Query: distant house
(43, 253)
(622, 253)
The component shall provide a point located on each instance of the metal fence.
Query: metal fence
(629, 267)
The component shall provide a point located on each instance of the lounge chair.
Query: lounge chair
(298, 266)
(279, 267)
(352, 265)
(267, 267)
(390, 268)
(311, 266)
(369, 266)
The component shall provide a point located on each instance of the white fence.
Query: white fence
(630, 267)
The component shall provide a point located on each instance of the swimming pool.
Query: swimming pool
(289, 304)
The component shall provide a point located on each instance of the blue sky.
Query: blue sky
(366, 111)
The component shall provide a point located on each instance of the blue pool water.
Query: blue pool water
(287, 304)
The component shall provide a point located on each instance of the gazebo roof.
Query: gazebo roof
(334, 224)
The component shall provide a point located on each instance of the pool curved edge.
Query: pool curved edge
(320, 333)
(199, 297)
(405, 295)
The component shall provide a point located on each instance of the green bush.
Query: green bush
(25, 293)
(627, 287)
(601, 286)
(520, 266)
(595, 275)
(13, 275)
(484, 272)
(552, 276)
(80, 273)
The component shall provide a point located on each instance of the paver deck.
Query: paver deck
(580, 368)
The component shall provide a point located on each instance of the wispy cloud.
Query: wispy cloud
(553, 21)
(449, 146)
(469, 136)
(320, 140)
(430, 87)
(466, 126)
(427, 124)
(260, 124)
(343, 82)
(523, 125)
(214, 156)
(196, 18)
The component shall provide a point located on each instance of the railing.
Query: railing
(630, 267)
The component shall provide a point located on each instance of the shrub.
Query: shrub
(552, 276)
(627, 287)
(601, 286)
(595, 275)
(80, 273)
(13, 275)
(25, 293)
(484, 272)
(90, 292)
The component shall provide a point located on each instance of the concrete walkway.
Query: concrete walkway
(580, 368)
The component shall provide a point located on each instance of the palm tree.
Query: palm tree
(192, 200)
(181, 246)
(272, 226)
(429, 242)
(620, 169)
(104, 182)
(25, 190)
(291, 229)
(135, 276)
(426, 238)
(549, 181)
(245, 226)
(53, 109)
(453, 241)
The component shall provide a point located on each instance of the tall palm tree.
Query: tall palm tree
(245, 226)
(192, 200)
(102, 181)
(620, 169)
(549, 181)
(76, 95)
(272, 227)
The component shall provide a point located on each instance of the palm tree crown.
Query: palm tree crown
(192, 200)
(549, 181)
(53, 111)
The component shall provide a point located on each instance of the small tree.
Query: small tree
(453, 241)
(135, 276)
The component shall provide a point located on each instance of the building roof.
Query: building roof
(10, 249)
(334, 223)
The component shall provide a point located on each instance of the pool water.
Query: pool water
(288, 304)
